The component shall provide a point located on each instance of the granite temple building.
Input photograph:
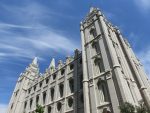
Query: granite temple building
(98, 79)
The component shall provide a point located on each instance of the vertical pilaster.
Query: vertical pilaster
(85, 75)
(136, 74)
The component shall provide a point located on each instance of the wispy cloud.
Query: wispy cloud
(143, 5)
(36, 42)
(26, 13)
(9, 26)
(31, 37)
(3, 108)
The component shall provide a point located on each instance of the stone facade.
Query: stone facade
(97, 80)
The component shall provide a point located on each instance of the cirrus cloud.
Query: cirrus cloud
(143, 5)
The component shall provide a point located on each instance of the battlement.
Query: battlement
(51, 73)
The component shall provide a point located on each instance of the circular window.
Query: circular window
(70, 102)
(59, 106)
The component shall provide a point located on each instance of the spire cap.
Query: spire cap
(92, 9)
(35, 61)
(52, 64)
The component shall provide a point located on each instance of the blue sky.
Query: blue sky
(50, 28)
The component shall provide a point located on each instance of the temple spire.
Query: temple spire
(33, 67)
(52, 64)
(35, 61)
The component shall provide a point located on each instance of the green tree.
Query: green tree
(142, 109)
(39, 109)
(127, 108)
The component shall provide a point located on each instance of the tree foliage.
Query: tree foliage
(39, 109)
(127, 108)
(142, 109)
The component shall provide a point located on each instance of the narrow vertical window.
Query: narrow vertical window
(59, 106)
(40, 84)
(54, 76)
(71, 85)
(49, 109)
(25, 105)
(70, 102)
(52, 94)
(34, 87)
(17, 92)
(81, 81)
(47, 80)
(71, 66)
(80, 61)
(99, 67)
(102, 91)
(29, 91)
(93, 32)
(81, 98)
(37, 99)
(12, 105)
(44, 97)
(31, 101)
(95, 47)
(62, 71)
(61, 89)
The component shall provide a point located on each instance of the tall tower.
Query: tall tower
(112, 73)
(18, 96)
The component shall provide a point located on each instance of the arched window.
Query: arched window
(70, 102)
(47, 80)
(49, 109)
(95, 47)
(71, 85)
(59, 106)
(29, 90)
(31, 101)
(34, 87)
(37, 99)
(25, 104)
(40, 84)
(71, 66)
(102, 91)
(93, 32)
(61, 89)
(54, 76)
(44, 97)
(52, 94)
(99, 67)
(62, 71)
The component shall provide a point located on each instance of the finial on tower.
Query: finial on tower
(35, 61)
(52, 64)
(92, 9)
